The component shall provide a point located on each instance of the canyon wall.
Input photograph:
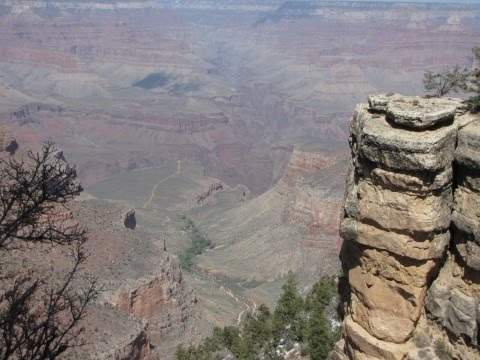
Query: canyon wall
(410, 224)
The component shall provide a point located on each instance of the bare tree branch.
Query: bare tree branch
(40, 316)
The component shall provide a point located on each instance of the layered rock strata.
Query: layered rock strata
(411, 217)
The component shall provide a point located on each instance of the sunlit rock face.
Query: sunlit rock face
(410, 223)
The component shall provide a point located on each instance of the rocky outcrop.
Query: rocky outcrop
(302, 162)
(154, 295)
(163, 300)
(7, 141)
(412, 264)
(212, 189)
(145, 302)
(129, 220)
(137, 349)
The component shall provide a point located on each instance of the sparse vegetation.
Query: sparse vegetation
(456, 80)
(442, 83)
(442, 349)
(199, 242)
(421, 340)
(309, 325)
(474, 83)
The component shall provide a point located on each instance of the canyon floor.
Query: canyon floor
(232, 116)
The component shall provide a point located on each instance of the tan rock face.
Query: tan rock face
(453, 302)
(467, 152)
(413, 182)
(403, 212)
(418, 246)
(388, 294)
(407, 183)
(362, 345)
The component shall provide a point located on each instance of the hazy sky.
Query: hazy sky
(424, 1)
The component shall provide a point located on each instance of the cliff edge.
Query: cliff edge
(411, 230)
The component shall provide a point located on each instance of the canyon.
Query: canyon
(235, 116)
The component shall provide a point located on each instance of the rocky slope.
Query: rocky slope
(410, 227)
(143, 286)
(144, 301)
(294, 227)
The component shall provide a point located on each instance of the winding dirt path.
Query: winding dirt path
(152, 194)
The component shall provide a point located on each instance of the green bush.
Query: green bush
(199, 243)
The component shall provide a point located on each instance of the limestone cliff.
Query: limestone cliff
(410, 224)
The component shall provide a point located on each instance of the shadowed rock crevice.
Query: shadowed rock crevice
(411, 230)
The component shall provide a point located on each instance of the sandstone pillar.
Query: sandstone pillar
(397, 217)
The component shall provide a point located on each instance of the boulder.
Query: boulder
(129, 220)
(401, 149)
(379, 102)
(419, 113)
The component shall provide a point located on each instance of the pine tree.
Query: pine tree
(319, 336)
(256, 329)
(288, 309)
(321, 294)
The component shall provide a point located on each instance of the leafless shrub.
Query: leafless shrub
(40, 315)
